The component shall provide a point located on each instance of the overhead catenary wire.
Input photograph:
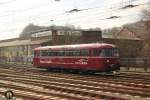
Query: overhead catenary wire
(46, 4)
(101, 13)
(73, 21)
(60, 14)
(90, 8)
(77, 17)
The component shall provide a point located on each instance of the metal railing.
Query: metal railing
(134, 64)
(141, 64)
(15, 60)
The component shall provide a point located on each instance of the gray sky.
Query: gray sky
(16, 14)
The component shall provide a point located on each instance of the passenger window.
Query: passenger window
(44, 53)
(61, 53)
(84, 52)
(77, 53)
(71, 53)
(67, 53)
(50, 53)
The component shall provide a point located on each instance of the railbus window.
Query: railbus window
(50, 53)
(55, 53)
(106, 52)
(84, 53)
(76, 53)
(67, 53)
(61, 53)
(70, 53)
(44, 53)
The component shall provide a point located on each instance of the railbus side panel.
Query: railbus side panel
(86, 63)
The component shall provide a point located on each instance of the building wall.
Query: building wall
(60, 37)
(91, 36)
(21, 54)
(128, 48)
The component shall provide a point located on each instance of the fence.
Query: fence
(16, 60)
(142, 64)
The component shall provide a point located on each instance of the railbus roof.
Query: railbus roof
(76, 46)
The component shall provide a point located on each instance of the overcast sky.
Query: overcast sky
(16, 14)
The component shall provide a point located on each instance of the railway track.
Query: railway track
(57, 86)
(74, 92)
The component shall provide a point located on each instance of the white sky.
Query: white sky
(16, 14)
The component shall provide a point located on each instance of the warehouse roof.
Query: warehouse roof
(15, 42)
(23, 41)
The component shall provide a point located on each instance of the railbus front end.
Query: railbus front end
(107, 58)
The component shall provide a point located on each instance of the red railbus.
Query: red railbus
(95, 57)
